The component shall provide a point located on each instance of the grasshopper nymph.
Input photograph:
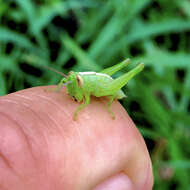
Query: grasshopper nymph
(82, 85)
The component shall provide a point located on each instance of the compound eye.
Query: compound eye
(79, 80)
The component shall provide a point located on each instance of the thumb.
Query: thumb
(41, 147)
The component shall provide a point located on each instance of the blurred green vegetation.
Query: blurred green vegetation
(87, 35)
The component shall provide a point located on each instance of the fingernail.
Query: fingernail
(117, 182)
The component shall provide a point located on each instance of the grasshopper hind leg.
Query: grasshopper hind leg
(111, 70)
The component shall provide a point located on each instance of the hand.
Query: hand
(42, 148)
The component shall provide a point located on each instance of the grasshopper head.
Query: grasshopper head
(74, 86)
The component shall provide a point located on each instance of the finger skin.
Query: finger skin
(41, 147)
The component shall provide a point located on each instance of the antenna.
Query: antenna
(54, 70)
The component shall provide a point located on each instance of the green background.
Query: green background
(89, 35)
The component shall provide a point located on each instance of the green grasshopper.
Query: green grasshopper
(82, 85)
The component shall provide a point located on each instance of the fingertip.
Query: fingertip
(117, 182)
